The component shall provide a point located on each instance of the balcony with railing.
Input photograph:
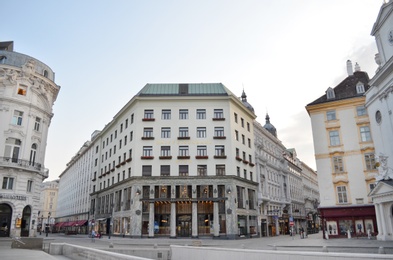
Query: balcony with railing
(23, 164)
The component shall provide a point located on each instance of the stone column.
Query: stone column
(151, 219)
(277, 226)
(383, 222)
(379, 220)
(216, 224)
(194, 219)
(173, 220)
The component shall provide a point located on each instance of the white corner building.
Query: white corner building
(27, 94)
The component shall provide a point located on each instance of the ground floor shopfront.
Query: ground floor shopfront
(225, 208)
(348, 221)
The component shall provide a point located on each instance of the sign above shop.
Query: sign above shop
(12, 196)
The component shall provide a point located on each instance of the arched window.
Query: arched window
(33, 153)
(45, 73)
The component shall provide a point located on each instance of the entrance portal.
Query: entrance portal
(25, 222)
(184, 227)
(5, 220)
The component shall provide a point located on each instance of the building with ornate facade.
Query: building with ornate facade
(48, 205)
(379, 104)
(27, 94)
(345, 156)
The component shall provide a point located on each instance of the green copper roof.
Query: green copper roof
(194, 89)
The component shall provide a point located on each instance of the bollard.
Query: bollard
(110, 245)
(381, 250)
(324, 249)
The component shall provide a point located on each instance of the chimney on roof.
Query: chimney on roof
(349, 68)
(357, 67)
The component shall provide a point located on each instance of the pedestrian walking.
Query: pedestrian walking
(93, 236)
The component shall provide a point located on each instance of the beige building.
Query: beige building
(345, 157)
(27, 94)
(47, 213)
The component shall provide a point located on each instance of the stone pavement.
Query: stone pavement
(314, 242)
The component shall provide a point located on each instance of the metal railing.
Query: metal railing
(19, 163)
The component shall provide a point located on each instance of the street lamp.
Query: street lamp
(47, 225)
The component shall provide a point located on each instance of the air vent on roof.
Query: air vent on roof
(183, 89)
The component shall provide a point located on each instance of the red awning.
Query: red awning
(68, 224)
(79, 223)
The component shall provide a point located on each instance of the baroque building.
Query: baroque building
(176, 161)
(345, 157)
(379, 103)
(27, 94)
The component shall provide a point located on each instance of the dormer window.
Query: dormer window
(360, 88)
(330, 93)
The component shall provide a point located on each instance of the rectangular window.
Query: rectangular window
(183, 114)
(126, 124)
(183, 150)
(165, 132)
(245, 174)
(202, 170)
(243, 139)
(183, 170)
(165, 170)
(338, 164)
(29, 186)
(220, 150)
(166, 114)
(17, 118)
(342, 194)
(147, 151)
(132, 118)
(220, 169)
(148, 132)
(201, 132)
(22, 90)
(242, 122)
(330, 115)
(361, 111)
(248, 127)
(201, 150)
(237, 152)
(165, 151)
(183, 131)
(37, 124)
(370, 161)
(236, 135)
(201, 114)
(334, 138)
(218, 113)
(149, 114)
(249, 142)
(365, 133)
(238, 171)
(219, 131)
(235, 115)
(146, 170)
(8, 183)
(372, 186)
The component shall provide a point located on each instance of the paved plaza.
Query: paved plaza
(314, 242)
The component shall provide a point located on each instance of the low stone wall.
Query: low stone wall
(27, 243)
(197, 253)
(82, 253)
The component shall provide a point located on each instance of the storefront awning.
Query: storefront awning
(79, 223)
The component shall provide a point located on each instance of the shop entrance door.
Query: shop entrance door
(184, 227)
(5, 220)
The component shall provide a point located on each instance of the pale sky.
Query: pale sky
(284, 53)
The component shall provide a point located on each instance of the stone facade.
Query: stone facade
(27, 94)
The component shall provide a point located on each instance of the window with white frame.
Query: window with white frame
(37, 124)
(147, 132)
(220, 150)
(218, 113)
(166, 114)
(33, 153)
(165, 132)
(12, 148)
(360, 88)
(338, 164)
(201, 114)
(22, 90)
(146, 171)
(235, 115)
(370, 161)
(183, 131)
(342, 194)
(183, 114)
(8, 183)
(165, 170)
(149, 113)
(331, 115)
(330, 93)
(202, 170)
(334, 138)
(361, 111)
(236, 135)
(165, 151)
(183, 170)
(17, 117)
(219, 131)
(183, 150)
(201, 132)
(29, 186)
(147, 151)
(365, 133)
(201, 150)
